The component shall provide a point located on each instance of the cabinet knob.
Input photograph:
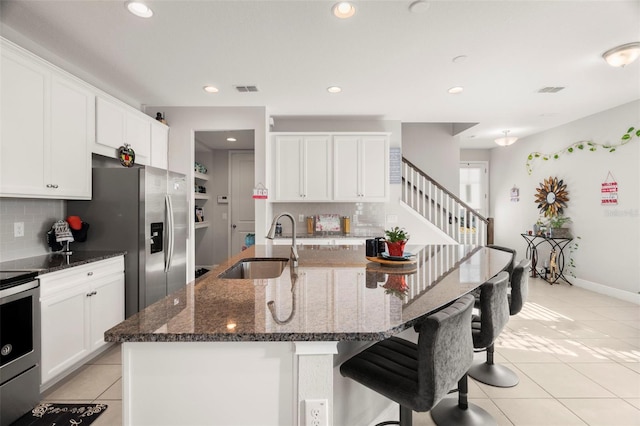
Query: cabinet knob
(89, 273)
(51, 185)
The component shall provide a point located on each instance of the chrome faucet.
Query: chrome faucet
(272, 233)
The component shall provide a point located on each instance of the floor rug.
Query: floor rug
(48, 414)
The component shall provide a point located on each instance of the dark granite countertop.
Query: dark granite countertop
(55, 261)
(335, 294)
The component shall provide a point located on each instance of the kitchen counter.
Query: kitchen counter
(335, 294)
(55, 261)
(197, 356)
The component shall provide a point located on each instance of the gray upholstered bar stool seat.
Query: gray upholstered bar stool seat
(417, 376)
(488, 372)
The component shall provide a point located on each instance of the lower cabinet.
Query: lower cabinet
(77, 306)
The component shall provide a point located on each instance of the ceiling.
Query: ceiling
(391, 63)
(206, 140)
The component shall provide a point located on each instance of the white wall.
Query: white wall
(608, 257)
(433, 149)
(185, 121)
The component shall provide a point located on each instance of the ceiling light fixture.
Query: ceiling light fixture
(506, 140)
(138, 8)
(455, 90)
(343, 10)
(231, 139)
(334, 89)
(210, 89)
(622, 55)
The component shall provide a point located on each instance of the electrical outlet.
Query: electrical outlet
(300, 218)
(18, 229)
(316, 412)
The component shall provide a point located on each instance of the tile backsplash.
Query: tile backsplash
(37, 216)
(367, 219)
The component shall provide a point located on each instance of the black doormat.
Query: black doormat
(47, 414)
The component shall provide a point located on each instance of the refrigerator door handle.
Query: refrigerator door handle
(170, 233)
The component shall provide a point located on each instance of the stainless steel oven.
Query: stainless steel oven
(19, 344)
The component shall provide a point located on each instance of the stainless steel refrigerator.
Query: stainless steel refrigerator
(145, 212)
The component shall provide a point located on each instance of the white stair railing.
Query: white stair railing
(442, 208)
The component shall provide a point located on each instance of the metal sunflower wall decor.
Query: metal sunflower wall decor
(552, 197)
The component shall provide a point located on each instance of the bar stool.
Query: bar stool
(493, 317)
(418, 376)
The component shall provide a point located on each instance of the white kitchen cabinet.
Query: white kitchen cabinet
(159, 145)
(77, 306)
(361, 168)
(303, 168)
(118, 124)
(47, 125)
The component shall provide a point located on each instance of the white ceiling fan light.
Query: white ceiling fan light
(138, 8)
(622, 55)
(343, 10)
(506, 140)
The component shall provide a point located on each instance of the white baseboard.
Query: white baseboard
(607, 291)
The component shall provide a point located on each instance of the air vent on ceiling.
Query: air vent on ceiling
(550, 89)
(244, 89)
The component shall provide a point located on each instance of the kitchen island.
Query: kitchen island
(251, 352)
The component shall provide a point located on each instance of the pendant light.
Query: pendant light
(506, 140)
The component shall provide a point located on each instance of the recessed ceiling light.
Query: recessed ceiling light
(231, 139)
(343, 10)
(334, 89)
(455, 90)
(140, 9)
(210, 89)
(419, 6)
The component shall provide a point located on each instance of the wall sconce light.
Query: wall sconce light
(622, 55)
(506, 140)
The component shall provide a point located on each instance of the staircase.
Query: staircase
(443, 209)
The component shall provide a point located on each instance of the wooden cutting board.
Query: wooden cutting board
(389, 262)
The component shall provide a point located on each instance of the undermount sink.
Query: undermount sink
(256, 268)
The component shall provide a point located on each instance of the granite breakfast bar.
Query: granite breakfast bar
(251, 352)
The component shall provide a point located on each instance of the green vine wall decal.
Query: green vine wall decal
(582, 146)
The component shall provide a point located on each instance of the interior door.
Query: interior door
(474, 185)
(242, 210)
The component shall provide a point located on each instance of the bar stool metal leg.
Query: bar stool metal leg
(450, 412)
(493, 374)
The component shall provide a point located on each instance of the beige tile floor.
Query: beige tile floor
(577, 354)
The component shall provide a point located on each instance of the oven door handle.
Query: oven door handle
(18, 289)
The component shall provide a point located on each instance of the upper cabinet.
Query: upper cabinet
(47, 126)
(331, 167)
(118, 124)
(303, 168)
(361, 169)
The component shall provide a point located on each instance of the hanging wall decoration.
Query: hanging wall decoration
(583, 145)
(552, 196)
(127, 155)
(260, 192)
(515, 194)
(609, 191)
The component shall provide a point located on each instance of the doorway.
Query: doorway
(212, 237)
(474, 185)
(242, 211)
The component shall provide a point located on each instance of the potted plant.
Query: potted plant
(556, 224)
(396, 238)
